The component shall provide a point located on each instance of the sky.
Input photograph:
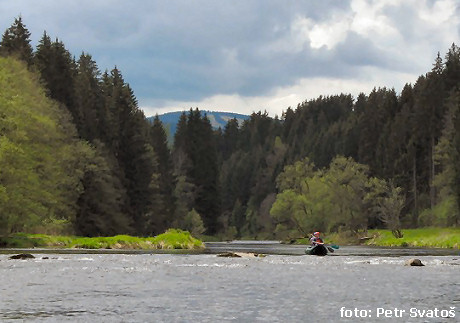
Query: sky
(246, 56)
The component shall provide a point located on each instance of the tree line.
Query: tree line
(333, 163)
(118, 177)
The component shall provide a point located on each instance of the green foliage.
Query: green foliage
(57, 71)
(39, 155)
(349, 185)
(193, 223)
(195, 156)
(341, 197)
(184, 194)
(124, 179)
(100, 205)
(176, 239)
(293, 176)
(423, 237)
(55, 227)
(23, 240)
(446, 211)
(231, 233)
(389, 208)
(16, 42)
(443, 214)
(159, 143)
(116, 242)
(171, 239)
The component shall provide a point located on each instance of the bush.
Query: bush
(176, 239)
(193, 223)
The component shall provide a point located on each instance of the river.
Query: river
(354, 284)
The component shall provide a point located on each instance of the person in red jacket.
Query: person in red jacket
(316, 239)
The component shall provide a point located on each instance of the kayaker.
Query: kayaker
(316, 239)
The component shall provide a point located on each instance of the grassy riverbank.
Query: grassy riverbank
(423, 237)
(171, 239)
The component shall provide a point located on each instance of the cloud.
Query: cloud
(290, 96)
(250, 54)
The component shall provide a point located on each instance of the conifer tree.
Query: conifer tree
(451, 71)
(88, 99)
(101, 206)
(230, 138)
(159, 142)
(195, 159)
(43, 58)
(16, 42)
(57, 69)
(446, 211)
(201, 149)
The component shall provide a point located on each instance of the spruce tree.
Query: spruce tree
(196, 161)
(230, 138)
(159, 142)
(57, 69)
(16, 42)
(184, 189)
(101, 206)
(88, 99)
(451, 71)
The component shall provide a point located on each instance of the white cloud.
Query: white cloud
(327, 33)
(369, 18)
(330, 33)
(366, 18)
(441, 12)
(440, 22)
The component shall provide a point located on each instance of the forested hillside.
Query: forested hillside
(86, 159)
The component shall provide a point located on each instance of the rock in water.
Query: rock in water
(22, 256)
(241, 255)
(414, 262)
(229, 254)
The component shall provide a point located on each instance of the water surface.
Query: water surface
(207, 288)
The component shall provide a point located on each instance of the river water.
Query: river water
(354, 284)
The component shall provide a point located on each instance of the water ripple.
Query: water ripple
(206, 288)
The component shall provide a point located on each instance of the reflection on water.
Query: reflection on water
(206, 288)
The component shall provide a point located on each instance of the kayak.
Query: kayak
(318, 250)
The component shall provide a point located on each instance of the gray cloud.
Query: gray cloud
(190, 50)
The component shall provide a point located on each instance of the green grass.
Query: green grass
(176, 239)
(423, 237)
(171, 239)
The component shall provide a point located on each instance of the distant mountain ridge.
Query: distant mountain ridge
(217, 119)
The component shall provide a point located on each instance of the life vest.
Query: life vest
(315, 240)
